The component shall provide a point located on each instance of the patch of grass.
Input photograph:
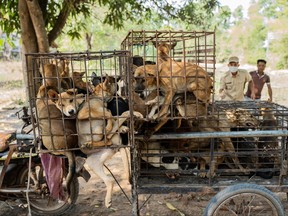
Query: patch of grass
(12, 84)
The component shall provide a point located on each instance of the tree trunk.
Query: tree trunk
(29, 44)
(37, 18)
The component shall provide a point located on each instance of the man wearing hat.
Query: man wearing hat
(232, 83)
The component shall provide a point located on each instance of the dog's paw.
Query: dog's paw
(202, 174)
(138, 115)
(210, 174)
(87, 145)
(125, 114)
(151, 102)
(123, 129)
(172, 175)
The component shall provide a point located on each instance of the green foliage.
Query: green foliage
(9, 18)
(279, 48)
(274, 8)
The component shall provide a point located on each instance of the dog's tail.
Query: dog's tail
(71, 171)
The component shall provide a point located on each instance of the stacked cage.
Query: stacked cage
(74, 97)
(188, 141)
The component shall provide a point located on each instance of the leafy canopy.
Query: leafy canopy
(117, 11)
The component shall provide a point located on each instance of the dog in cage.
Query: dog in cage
(60, 71)
(178, 77)
(97, 128)
(267, 145)
(78, 83)
(184, 77)
(57, 132)
(205, 159)
(218, 122)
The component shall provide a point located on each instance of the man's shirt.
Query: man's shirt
(233, 86)
(259, 82)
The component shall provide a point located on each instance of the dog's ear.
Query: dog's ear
(96, 81)
(150, 73)
(172, 45)
(53, 95)
(154, 43)
(71, 91)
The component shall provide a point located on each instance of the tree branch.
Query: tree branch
(39, 25)
(61, 20)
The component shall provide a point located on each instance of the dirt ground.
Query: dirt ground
(92, 193)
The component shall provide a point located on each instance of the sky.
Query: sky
(233, 4)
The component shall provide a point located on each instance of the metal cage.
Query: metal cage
(79, 72)
(203, 144)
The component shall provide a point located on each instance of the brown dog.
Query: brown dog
(146, 81)
(218, 123)
(163, 50)
(205, 159)
(78, 82)
(268, 145)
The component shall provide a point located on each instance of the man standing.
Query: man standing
(259, 79)
(233, 82)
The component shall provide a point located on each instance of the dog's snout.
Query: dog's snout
(71, 112)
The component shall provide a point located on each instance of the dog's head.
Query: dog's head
(267, 112)
(68, 102)
(49, 92)
(163, 49)
(50, 75)
(107, 89)
(145, 78)
(242, 118)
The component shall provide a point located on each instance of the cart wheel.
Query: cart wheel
(244, 199)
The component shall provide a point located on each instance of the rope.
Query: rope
(118, 184)
(28, 184)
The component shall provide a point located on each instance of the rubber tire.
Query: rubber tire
(225, 194)
(74, 192)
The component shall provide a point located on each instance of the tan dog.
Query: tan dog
(178, 77)
(60, 69)
(50, 76)
(92, 117)
(146, 81)
(68, 102)
(63, 67)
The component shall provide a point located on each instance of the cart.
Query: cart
(242, 144)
